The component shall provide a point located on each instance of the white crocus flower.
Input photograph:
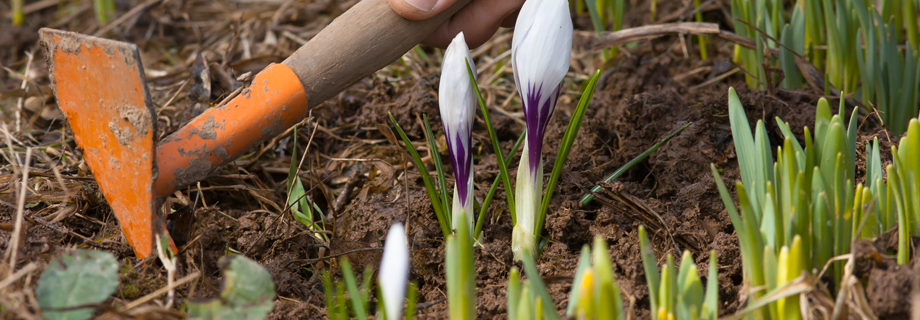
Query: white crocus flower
(394, 271)
(540, 54)
(457, 101)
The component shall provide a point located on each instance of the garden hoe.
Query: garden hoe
(100, 87)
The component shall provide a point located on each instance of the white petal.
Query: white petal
(393, 277)
(542, 45)
(456, 98)
(457, 101)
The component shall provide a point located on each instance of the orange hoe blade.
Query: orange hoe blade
(100, 86)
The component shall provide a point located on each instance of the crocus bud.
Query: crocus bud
(394, 271)
(540, 54)
(457, 101)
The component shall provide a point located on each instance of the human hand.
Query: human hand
(478, 20)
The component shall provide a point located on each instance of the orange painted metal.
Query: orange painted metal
(100, 86)
(274, 102)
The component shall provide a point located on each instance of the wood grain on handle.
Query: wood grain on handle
(364, 39)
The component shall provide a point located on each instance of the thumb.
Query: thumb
(420, 9)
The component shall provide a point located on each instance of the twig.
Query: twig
(811, 74)
(19, 274)
(17, 225)
(25, 82)
(170, 265)
(654, 31)
(309, 261)
(715, 79)
(161, 291)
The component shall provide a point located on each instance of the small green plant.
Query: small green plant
(73, 284)
(358, 297)
(301, 206)
(16, 8)
(802, 210)
(595, 294)
(699, 18)
(248, 292)
(890, 78)
(529, 299)
(104, 10)
(601, 12)
(679, 293)
(392, 282)
(856, 44)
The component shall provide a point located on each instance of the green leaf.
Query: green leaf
(584, 263)
(412, 297)
(79, 278)
(502, 167)
(494, 188)
(248, 292)
(357, 303)
(650, 265)
(748, 156)
(433, 195)
(585, 199)
(461, 277)
(514, 292)
(535, 283)
(442, 180)
(711, 301)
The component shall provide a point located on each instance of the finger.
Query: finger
(509, 21)
(420, 9)
(478, 20)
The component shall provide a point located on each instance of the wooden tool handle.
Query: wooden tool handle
(364, 39)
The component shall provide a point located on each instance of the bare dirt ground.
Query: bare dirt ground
(360, 177)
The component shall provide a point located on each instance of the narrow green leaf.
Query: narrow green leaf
(439, 167)
(494, 188)
(584, 262)
(650, 265)
(432, 193)
(503, 169)
(585, 199)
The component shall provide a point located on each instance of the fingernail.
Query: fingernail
(422, 5)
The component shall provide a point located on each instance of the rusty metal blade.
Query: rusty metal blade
(100, 86)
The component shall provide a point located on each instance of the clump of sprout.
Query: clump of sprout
(800, 211)
(678, 293)
(868, 47)
(595, 294)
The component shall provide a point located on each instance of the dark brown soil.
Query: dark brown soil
(647, 91)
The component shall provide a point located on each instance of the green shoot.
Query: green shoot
(620, 171)
(699, 18)
(433, 194)
(595, 294)
(300, 204)
(461, 277)
(18, 15)
(494, 188)
(679, 294)
(502, 163)
(358, 297)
